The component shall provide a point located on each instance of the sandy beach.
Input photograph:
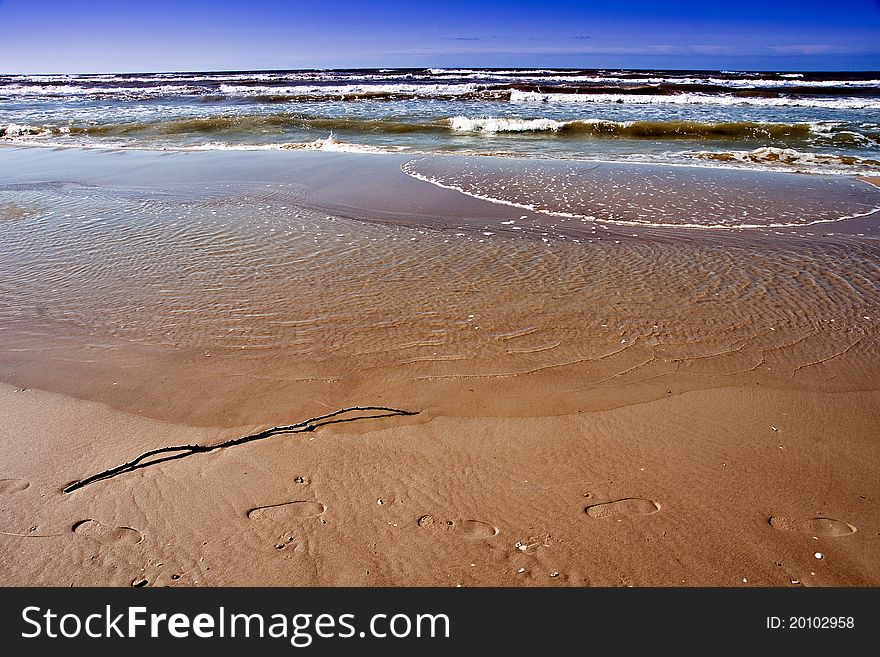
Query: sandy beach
(592, 404)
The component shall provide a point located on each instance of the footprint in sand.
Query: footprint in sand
(298, 510)
(10, 486)
(95, 531)
(814, 526)
(467, 528)
(629, 506)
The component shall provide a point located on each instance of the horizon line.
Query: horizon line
(449, 68)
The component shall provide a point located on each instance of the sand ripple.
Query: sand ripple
(253, 275)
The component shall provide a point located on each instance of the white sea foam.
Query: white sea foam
(822, 130)
(297, 87)
(327, 144)
(750, 83)
(517, 96)
(451, 90)
(494, 125)
(331, 144)
(72, 90)
(17, 130)
(409, 168)
(791, 159)
(583, 78)
(754, 81)
(12, 130)
(446, 71)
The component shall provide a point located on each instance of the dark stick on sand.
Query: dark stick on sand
(187, 450)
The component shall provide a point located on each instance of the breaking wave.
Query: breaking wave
(732, 131)
(262, 124)
(792, 158)
(685, 98)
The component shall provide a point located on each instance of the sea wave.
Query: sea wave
(334, 145)
(92, 91)
(304, 90)
(238, 126)
(494, 125)
(329, 144)
(353, 91)
(16, 130)
(767, 158)
(792, 158)
(725, 131)
(518, 85)
(518, 96)
(484, 86)
(241, 125)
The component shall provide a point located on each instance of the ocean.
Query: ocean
(802, 122)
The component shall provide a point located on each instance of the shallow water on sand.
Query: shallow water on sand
(255, 278)
(645, 195)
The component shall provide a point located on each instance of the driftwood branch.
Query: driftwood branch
(182, 451)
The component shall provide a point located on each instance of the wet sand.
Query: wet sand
(674, 407)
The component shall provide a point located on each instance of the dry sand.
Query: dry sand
(693, 489)
(729, 447)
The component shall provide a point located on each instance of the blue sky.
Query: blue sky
(161, 35)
